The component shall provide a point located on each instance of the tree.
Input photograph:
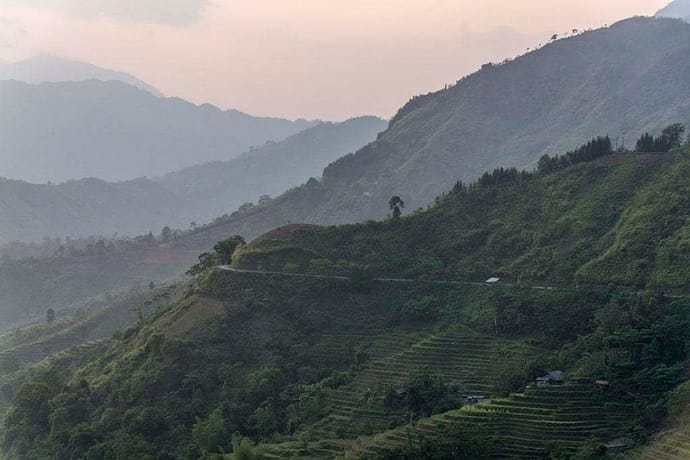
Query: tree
(395, 204)
(224, 249)
(211, 435)
(221, 255)
(166, 233)
(645, 143)
(672, 136)
(50, 316)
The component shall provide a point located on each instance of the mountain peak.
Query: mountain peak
(679, 9)
(49, 68)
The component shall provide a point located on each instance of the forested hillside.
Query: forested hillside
(113, 131)
(371, 336)
(87, 207)
(547, 101)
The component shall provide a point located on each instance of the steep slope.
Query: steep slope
(29, 287)
(220, 187)
(314, 364)
(679, 9)
(620, 219)
(113, 131)
(87, 207)
(547, 101)
(46, 68)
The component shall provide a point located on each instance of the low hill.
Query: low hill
(336, 334)
(113, 131)
(545, 102)
(46, 68)
(221, 187)
(87, 207)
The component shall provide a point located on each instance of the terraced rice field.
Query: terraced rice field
(462, 356)
(671, 446)
(524, 424)
(72, 332)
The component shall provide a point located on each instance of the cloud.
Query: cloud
(170, 12)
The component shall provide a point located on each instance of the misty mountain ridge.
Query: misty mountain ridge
(46, 68)
(220, 187)
(678, 9)
(114, 131)
(86, 207)
(545, 102)
(80, 208)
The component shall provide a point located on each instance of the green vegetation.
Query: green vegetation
(505, 115)
(671, 138)
(619, 219)
(371, 344)
(221, 255)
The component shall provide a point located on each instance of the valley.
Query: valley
(501, 270)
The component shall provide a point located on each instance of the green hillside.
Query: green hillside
(365, 340)
(621, 219)
(509, 114)
(65, 283)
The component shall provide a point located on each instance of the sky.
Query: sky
(326, 59)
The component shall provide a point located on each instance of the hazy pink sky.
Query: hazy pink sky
(328, 59)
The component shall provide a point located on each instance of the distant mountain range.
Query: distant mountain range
(679, 9)
(624, 80)
(86, 207)
(546, 102)
(221, 187)
(114, 131)
(46, 68)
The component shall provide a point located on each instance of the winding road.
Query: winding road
(381, 280)
(409, 280)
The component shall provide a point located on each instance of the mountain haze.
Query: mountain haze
(113, 131)
(221, 187)
(86, 207)
(545, 102)
(46, 68)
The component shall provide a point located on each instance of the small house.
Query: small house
(552, 378)
(493, 281)
(476, 399)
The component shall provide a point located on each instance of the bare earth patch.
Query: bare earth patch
(201, 310)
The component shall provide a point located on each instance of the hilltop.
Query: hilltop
(545, 102)
(313, 366)
(114, 131)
